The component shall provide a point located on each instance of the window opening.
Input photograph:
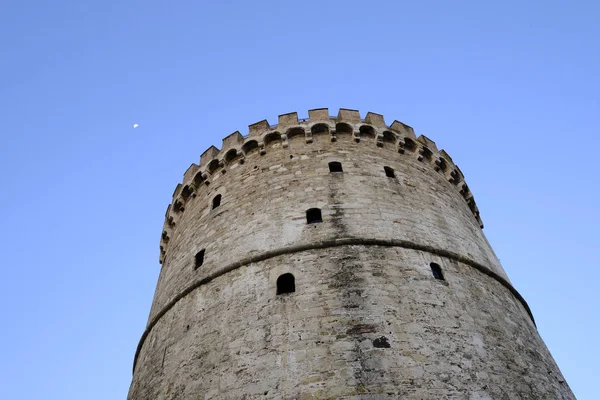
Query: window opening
(216, 201)
(199, 259)
(319, 128)
(286, 283)
(389, 172)
(313, 216)
(436, 270)
(367, 130)
(335, 166)
(343, 128)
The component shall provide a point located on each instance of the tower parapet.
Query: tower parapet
(371, 130)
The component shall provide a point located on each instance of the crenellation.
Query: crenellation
(428, 143)
(319, 115)
(259, 128)
(176, 190)
(287, 120)
(234, 140)
(375, 120)
(190, 172)
(446, 156)
(208, 156)
(351, 116)
(404, 129)
(236, 148)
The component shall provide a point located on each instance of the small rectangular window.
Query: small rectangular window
(389, 172)
(216, 201)
(335, 166)
(199, 259)
(436, 270)
(313, 216)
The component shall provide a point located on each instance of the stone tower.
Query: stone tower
(334, 258)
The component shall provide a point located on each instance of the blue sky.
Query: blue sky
(509, 89)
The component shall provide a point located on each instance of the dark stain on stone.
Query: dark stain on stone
(381, 343)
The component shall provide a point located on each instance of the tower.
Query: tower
(328, 258)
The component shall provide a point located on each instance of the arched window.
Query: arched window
(335, 166)
(198, 179)
(295, 132)
(343, 128)
(389, 137)
(286, 283)
(313, 216)
(319, 128)
(250, 147)
(216, 201)
(213, 166)
(273, 137)
(410, 144)
(186, 192)
(389, 172)
(231, 155)
(436, 270)
(367, 131)
(199, 259)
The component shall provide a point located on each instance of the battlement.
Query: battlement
(261, 135)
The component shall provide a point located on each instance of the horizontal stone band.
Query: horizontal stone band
(323, 244)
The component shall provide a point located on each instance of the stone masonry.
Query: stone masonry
(396, 292)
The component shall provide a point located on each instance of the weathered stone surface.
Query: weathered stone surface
(367, 319)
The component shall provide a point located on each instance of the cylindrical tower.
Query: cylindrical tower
(329, 258)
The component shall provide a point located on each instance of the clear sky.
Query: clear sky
(509, 88)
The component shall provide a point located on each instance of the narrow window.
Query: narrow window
(286, 284)
(313, 216)
(216, 201)
(335, 166)
(199, 259)
(389, 172)
(436, 270)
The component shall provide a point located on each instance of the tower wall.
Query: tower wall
(367, 319)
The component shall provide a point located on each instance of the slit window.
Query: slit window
(389, 172)
(286, 283)
(313, 216)
(335, 166)
(199, 259)
(436, 270)
(216, 201)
